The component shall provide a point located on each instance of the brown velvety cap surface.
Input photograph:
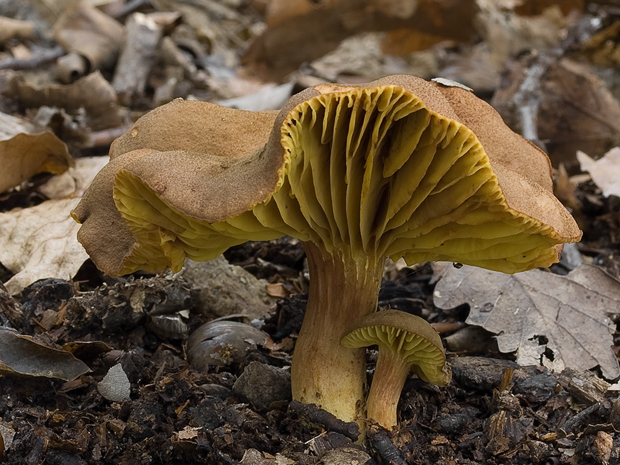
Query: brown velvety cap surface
(183, 153)
(200, 127)
(104, 233)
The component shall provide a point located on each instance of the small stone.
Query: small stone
(536, 389)
(225, 289)
(345, 456)
(452, 423)
(479, 373)
(262, 385)
(115, 386)
(222, 343)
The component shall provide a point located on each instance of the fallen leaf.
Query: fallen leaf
(91, 93)
(21, 355)
(24, 152)
(301, 31)
(75, 179)
(41, 241)
(605, 171)
(276, 290)
(88, 31)
(561, 321)
(575, 110)
(270, 97)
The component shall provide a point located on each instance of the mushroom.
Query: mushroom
(399, 167)
(406, 343)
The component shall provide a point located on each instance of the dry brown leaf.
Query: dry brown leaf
(21, 355)
(91, 93)
(86, 30)
(15, 29)
(276, 290)
(605, 171)
(73, 181)
(507, 34)
(303, 31)
(576, 112)
(25, 152)
(537, 313)
(40, 242)
(603, 48)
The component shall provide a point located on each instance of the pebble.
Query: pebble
(262, 385)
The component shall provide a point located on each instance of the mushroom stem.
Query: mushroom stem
(323, 372)
(391, 372)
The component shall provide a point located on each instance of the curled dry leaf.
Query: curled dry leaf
(85, 30)
(92, 93)
(536, 312)
(25, 152)
(605, 171)
(302, 31)
(15, 29)
(40, 241)
(21, 355)
(576, 110)
(73, 181)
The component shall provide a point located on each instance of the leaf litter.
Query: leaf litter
(557, 321)
(495, 411)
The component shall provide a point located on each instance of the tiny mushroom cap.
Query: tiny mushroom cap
(398, 167)
(406, 343)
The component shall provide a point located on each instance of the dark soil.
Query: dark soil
(493, 412)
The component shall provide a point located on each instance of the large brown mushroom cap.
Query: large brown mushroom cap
(399, 167)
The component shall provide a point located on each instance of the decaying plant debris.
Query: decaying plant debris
(96, 369)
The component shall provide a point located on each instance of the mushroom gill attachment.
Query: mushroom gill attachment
(406, 343)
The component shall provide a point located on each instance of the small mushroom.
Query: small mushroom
(398, 167)
(406, 343)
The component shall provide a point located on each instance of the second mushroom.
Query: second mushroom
(399, 167)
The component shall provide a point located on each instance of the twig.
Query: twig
(575, 421)
(36, 59)
(527, 98)
(325, 419)
(381, 442)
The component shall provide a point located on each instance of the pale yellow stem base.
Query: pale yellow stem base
(323, 372)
